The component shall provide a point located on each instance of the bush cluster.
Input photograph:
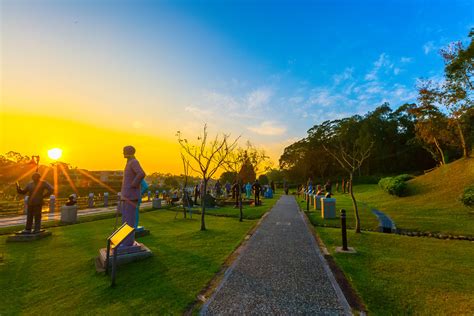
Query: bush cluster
(395, 185)
(467, 198)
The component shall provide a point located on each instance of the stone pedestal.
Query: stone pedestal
(125, 255)
(156, 203)
(69, 214)
(21, 237)
(317, 201)
(328, 208)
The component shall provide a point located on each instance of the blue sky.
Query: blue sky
(268, 70)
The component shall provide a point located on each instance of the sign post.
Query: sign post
(113, 242)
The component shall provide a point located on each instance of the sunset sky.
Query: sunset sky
(93, 76)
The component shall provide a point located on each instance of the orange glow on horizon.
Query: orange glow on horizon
(85, 145)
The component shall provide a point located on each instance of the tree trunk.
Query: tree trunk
(203, 206)
(443, 162)
(463, 141)
(354, 204)
(241, 218)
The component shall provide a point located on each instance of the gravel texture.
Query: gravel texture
(281, 272)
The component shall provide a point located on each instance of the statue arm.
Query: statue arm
(139, 174)
(20, 190)
(49, 189)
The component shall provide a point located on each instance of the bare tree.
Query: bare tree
(206, 157)
(234, 163)
(351, 160)
(258, 158)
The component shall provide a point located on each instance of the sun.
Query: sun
(55, 153)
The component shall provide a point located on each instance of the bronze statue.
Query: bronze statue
(36, 190)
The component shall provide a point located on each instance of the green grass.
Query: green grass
(249, 212)
(55, 223)
(400, 275)
(343, 201)
(57, 275)
(432, 205)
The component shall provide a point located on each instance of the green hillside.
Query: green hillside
(433, 202)
(432, 205)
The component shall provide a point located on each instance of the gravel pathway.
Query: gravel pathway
(281, 271)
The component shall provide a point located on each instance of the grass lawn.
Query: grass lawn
(343, 201)
(432, 204)
(399, 275)
(57, 275)
(249, 212)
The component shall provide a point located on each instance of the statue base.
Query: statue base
(141, 231)
(23, 236)
(124, 255)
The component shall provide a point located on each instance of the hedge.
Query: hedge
(395, 185)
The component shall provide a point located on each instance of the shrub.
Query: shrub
(467, 198)
(404, 177)
(395, 185)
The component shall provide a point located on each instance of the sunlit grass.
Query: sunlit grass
(57, 274)
(433, 204)
(400, 275)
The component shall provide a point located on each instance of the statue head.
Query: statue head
(128, 151)
(36, 177)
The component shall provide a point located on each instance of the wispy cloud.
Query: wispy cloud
(198, 112)
(345, 75)
(428, 47)
(382, 63)
(406, 60)
(268, 128)
(258, 97)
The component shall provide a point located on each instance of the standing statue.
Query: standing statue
(35, 190)
(236, 192)
(257, 188)
(131, 192)
(218, 189)
(248, 190)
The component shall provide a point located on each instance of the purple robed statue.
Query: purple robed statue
(131, 191)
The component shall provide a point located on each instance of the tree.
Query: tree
(257, 158)
(263, 179)
(431, 124)
(246, 170)
(275, 175)
(227, 176)
(458, 87)
(350, 152)
(237, 160)
(206, 157)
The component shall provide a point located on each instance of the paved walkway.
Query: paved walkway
(281, 272)
(21, 219)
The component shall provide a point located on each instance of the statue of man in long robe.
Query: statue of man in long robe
(131, 191)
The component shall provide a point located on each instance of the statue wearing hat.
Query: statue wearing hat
(131, 191)
(36, 190)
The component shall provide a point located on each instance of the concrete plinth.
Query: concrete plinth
(125, 255)
(22, 237)
(156, 203)
(69, 214)
(328, 208)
